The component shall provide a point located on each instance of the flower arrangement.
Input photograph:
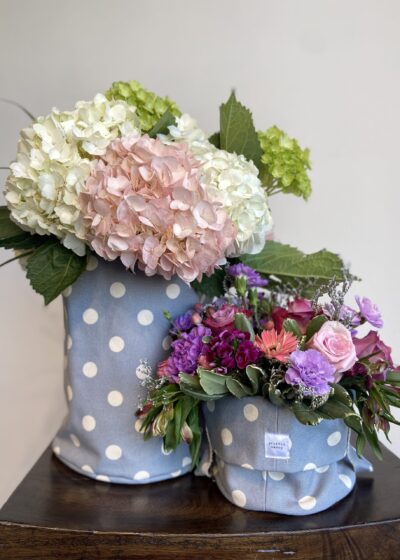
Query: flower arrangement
(128, 176)
(309, 355)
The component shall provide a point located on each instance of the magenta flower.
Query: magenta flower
(370, 311)
(230, 350)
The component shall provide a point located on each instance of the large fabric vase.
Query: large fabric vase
(262, 458)
(113, 321)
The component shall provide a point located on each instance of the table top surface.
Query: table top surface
(55, 497)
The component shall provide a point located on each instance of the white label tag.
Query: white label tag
(277, 446)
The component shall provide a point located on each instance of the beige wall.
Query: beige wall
(327, 71)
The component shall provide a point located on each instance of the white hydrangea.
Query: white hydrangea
(232, 180)
(53, 161)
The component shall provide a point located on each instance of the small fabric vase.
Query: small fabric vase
(114, 320)
(262, 458)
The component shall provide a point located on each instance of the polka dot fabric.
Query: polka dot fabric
(114, 319)
(320, 471)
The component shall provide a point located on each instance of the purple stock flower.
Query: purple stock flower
(311, 370)
(370, 311)
(253, 279)
(185, 354)
(183, 323)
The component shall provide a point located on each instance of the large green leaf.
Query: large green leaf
(8, 228)
(52, 268)
(305, 415)
(211, 286)
(212, 383)
(288, 263)
(237, 131)
(24, 240)
(238, 389)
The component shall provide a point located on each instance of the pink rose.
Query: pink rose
(334, 342)
(220, 319)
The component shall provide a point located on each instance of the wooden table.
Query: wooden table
(58, 514)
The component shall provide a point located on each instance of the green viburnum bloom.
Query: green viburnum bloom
(149, 107)
(284, 164)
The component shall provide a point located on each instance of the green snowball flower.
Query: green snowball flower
(284, 164)
(149, 107)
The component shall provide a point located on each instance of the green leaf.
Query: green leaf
(354, 422)
(292, 326)
(360, 444)
(212, 383)
(161, 126)
(254, 373)
(194, 424)
(340, 394)
(23, 241)
(211, 286)
(314, 325)
(215, 139)
(393, 377)
(238, 389)
(237, 132)
(243, 324)
(335, 409)
(52, 268)
(198, 394)
(306, 415)
(373, 441)
(7, 227)
(275, 396)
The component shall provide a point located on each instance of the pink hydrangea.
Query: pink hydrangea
(144, 204)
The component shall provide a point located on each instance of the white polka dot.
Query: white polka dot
(89, 369)
(226, 436)
(186, 461)
(113, 452)
(250, 412)
(275, 475)
(309, 467)
(69, 342)
(102, 478)
(67, 292)
(70, 393)
(247, 466)
(176, 473)
(141, 475)
(205, 467)
(145, 317)
(75, 440)
(239, 498)
(116, 344)
(56, 450)
(88, 423)
(346, 480)
(166, 343)
(90, 316)
(307, 502)
(138, 424)
(117, 290)
(165, 451)
(115, 398)
(173, 291)
(87, 468)
(92, 263)
(334, 438)
(211, 406)
(322, 469)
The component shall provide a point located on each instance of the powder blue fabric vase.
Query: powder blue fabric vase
(114, 319)
(262, 458)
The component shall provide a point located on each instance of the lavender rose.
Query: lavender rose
(311, 370)
(370, 312)
(334, 342)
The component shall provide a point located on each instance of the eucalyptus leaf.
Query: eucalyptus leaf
(237, 131)
(52, 268)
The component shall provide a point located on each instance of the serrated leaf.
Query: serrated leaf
(161, 126)
(52, 268)
(243, 324)
(305, 415)
(314, 325)
(7, 227)
(238, 389)
(215, 139)
(212, 383)
(211, 286)
(288, 263)
(237, 131)
(23, 241)
(292, 326)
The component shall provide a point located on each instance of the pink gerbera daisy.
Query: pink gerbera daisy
(277, 346)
